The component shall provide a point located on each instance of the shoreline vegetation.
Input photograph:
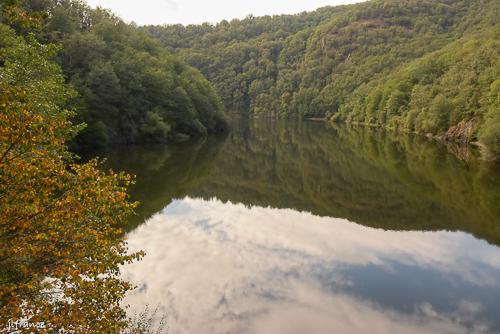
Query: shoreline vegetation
(61, 237)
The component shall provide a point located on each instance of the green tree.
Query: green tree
(127, 82)
(60, 239)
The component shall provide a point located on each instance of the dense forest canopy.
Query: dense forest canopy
(130, 88)
(431, 67)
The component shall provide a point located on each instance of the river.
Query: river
(306, 227)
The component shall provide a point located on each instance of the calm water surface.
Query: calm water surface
(284, 227)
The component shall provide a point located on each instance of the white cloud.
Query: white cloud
(218, 268)
(172, 4)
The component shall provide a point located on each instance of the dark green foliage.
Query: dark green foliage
(131, 89)
(423, 66)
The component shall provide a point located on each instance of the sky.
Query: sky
(199, 11)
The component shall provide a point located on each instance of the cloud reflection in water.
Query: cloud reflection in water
(218, 267)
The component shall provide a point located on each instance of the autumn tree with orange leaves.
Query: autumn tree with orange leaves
(60, 239)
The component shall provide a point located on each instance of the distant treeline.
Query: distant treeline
(130, 88)
(419, 66)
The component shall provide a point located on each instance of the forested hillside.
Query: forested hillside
(431, 67)
(130, 89)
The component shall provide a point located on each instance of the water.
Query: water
(285, 227)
